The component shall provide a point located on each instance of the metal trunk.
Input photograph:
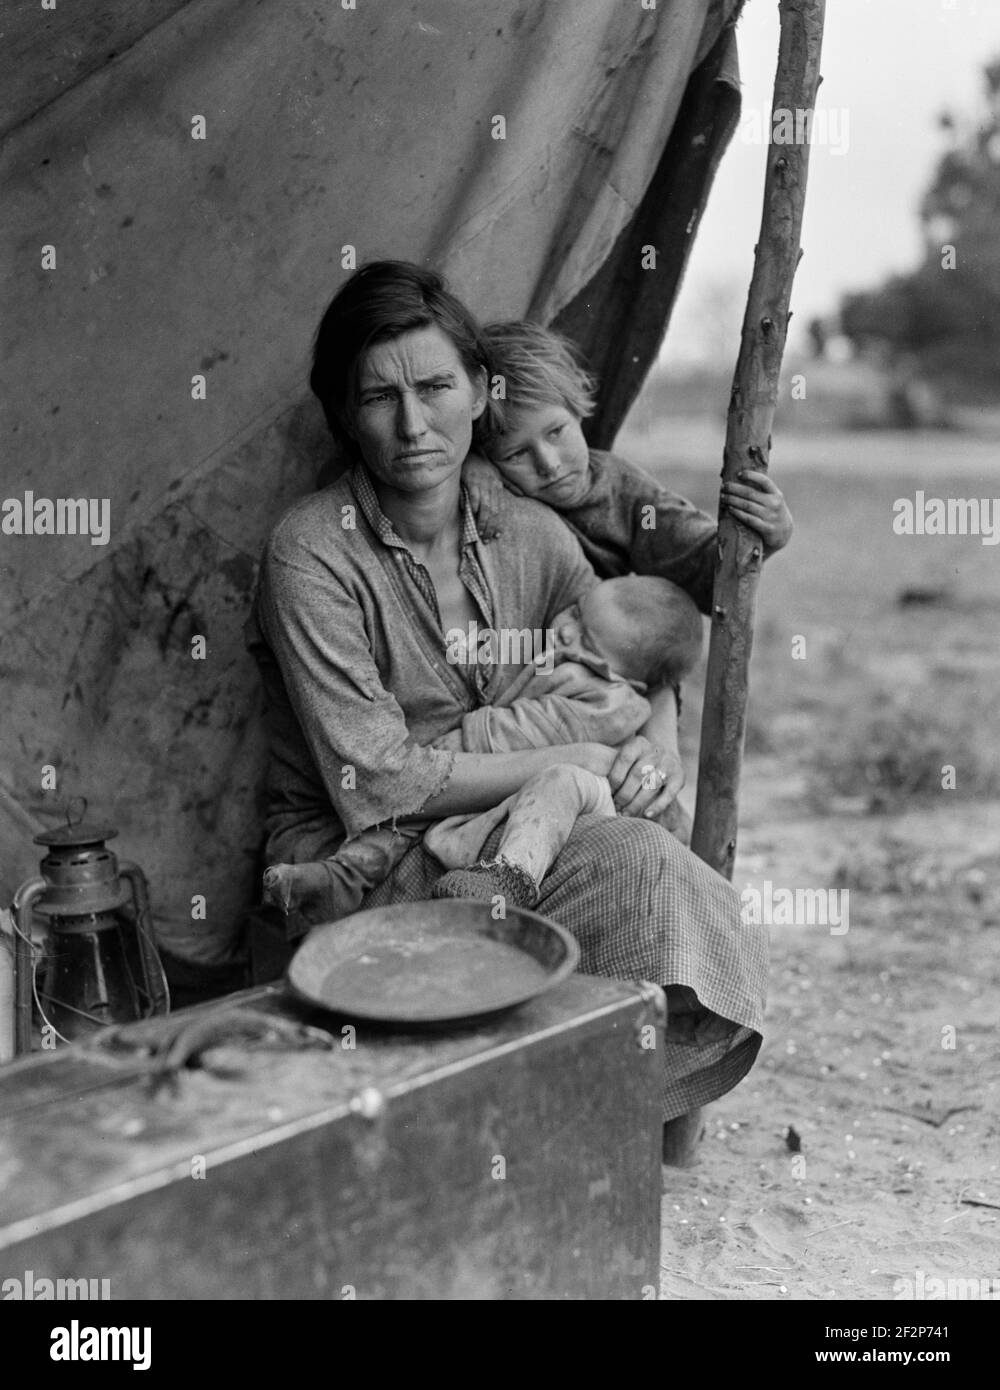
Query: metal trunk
(515, 1160)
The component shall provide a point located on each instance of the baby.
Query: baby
(642, 631)
(626, 634)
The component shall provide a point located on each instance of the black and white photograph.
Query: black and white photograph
(499, 592)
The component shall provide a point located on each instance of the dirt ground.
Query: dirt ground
(898, 1118)
(864, 1147)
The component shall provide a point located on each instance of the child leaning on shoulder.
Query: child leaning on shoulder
(625, 520)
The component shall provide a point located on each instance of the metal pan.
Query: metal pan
(442, 961)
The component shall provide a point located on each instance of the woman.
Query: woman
(358, 586)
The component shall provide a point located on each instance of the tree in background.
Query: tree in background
(942, 321)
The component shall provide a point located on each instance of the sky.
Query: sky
(889, 68)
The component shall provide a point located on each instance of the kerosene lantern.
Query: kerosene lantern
(100, 961)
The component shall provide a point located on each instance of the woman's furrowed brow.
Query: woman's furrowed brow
(445, 374)
(428, 379)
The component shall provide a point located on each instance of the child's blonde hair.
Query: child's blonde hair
(538, 367)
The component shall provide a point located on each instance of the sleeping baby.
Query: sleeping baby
(627, 635)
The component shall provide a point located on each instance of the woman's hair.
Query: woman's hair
(538, 368)
(382, 300)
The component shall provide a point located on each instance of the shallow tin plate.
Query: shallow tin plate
(439, 961)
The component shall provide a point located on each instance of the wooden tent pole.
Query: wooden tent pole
(748, 444)
(748, 431)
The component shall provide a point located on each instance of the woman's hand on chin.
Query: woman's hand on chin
(644, 778)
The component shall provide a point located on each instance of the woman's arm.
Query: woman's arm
(355, 731)
(661, 728)
(480, 780)
(647, 772)
(569, 704)
(330, 697)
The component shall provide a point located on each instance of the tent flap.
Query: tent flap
(179, 214)
(620, 316)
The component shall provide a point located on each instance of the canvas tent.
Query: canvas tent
(326, 126)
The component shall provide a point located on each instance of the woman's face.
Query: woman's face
(544, 454)
(412, 417)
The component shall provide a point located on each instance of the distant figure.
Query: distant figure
(816, 329)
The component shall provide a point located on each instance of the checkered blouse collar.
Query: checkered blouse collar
(364, 490)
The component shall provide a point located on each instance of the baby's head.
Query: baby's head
(533, 435)
(645, 628)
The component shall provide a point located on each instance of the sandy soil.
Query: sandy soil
(896, 1114)
(883, 1044)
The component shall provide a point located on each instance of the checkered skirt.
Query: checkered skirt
(641, 906)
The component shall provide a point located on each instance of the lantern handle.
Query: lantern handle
(70, 804)
(24, 960)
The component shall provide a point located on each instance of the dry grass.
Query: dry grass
(901, 675)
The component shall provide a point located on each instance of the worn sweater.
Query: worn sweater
(628, 522)
(353, 656)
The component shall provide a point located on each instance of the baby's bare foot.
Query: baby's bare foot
(309, 891)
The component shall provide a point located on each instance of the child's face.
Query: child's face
(592, 627)
(544, 454)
